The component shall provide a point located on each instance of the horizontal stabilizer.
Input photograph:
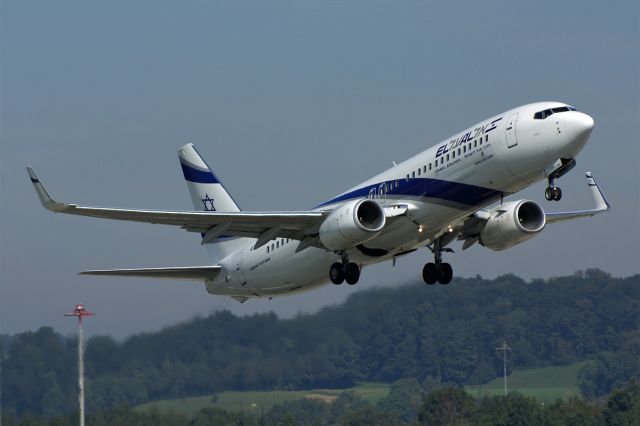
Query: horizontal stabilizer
(186, 272)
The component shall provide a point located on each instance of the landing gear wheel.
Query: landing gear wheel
(548, 193)
(557, 193)
(430, 273)
(336, 273)
(352, 273)
(445, 273)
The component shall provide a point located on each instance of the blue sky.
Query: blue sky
(291, 102)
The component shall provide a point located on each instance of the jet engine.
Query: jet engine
(351, 224)
(511, 224)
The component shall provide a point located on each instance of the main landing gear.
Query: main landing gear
(552, 193)
(437, 271)
(344, 271)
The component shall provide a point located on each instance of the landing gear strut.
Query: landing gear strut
(553, 192)
(437, 271)
(344, 271)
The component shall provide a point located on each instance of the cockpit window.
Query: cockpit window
(541, 115)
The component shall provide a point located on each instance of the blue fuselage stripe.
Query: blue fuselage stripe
(461, 193)
(198, 176)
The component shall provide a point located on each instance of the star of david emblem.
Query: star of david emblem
(208, 204)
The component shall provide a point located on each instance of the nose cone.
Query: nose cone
(579, 124)
(578, 127)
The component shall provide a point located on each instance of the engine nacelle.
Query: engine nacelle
(511, 224)
(351, 224)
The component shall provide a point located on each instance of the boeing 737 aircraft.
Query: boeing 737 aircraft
(444, 193)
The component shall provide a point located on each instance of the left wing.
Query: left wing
(262, 225)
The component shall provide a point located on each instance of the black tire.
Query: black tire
(548, 193)
(336, 273)
(430, 273)
(557, 194)
(445, 273)
(352, 273)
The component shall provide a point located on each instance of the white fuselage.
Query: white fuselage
(442, 186)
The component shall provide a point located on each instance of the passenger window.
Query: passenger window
(475, 144)
(419, 170)
(407, 178)
(441, 160)
(429, 166)
(447, 157)
(458, 152)
(453, 154)
(424, 169)
(464, 148)
(469, 146)
(486, 138)
(277, 244)
(273, 246)
(413, 174)
(267, 249)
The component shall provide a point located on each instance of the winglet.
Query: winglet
(46, 200)
(596, 193)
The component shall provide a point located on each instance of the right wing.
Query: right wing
(601, 204)
(264, 226)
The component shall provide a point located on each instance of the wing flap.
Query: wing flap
(182, 272)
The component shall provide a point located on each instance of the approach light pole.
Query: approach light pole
(504, 348)
(80, 312)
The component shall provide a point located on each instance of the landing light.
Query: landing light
(420, 228)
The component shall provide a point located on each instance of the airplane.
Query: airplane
(453, 190)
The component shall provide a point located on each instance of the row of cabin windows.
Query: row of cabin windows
(461, 150)
(277, 244)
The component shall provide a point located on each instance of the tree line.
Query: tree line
(404, 406)
(443, 335)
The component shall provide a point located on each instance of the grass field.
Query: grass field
(546, 384)
(245, 401)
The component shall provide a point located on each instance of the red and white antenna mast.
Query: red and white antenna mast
(80, 312)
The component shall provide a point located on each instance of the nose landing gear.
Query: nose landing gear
(552, 193)
(560, 168)
(438, 270)
(344, 271)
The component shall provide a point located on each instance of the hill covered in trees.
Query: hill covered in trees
(436, 335)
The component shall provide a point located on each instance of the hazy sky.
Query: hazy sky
(291, 102)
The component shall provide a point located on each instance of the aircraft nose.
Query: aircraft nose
(579, 124)
(578, 127)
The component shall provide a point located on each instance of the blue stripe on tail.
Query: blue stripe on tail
(196, 175)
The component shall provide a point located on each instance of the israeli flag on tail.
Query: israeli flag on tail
(208, 194)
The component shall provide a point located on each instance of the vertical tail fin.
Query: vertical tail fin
(208, 194)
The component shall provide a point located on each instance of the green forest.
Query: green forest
(407, 405)
(436, 337)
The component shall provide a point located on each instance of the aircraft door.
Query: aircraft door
(510, 131)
